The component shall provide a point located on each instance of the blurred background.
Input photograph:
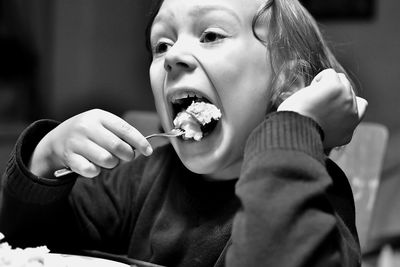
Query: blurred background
(61, 57)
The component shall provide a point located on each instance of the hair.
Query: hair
(154, 9)
(298, 51)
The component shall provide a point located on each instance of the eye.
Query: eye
(211, 36)
(161, 47)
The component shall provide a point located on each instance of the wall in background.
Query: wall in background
(100, 60)
(371, 50)
(99, 57)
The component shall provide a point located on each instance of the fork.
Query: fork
(172, 133)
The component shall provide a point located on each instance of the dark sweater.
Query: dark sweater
(291, 205)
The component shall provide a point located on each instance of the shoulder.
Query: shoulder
(341, 185)
(340, 195)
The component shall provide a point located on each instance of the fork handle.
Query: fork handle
(62, 172)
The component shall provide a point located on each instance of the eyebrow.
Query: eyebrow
(199, 11)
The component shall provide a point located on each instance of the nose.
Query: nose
(179, 58)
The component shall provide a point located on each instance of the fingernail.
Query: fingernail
(148, 151)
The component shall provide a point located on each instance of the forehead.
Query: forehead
(242, 9)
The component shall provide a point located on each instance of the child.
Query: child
(256, 190)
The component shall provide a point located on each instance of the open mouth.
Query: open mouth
(203, 117)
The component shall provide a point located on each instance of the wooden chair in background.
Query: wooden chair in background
(362, 161)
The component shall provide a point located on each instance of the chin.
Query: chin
(214, 169)
(211, 156)
(197, 157)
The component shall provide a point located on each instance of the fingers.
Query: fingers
(332, 102)
(97, 155)
(82, 166)
(330, 75)
(98, 139)
(348, 90)
(88, 158)
(360, 104)
(327, 75)
(112, 143)
(343, 79)
(127, 132)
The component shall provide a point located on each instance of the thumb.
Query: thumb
(325, 75)
(361, 107)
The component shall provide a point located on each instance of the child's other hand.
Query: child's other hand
(86, 143)
(332, 103)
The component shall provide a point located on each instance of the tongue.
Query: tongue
(196, 115)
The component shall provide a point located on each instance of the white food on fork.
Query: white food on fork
(196, 115)
(204, 112)
(185, 121)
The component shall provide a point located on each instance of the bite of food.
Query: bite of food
(197, 120)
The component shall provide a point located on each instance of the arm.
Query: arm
(287, 217)
(62, 213)
(23, 194)
(330, 101)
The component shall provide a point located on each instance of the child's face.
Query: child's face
(208, 47)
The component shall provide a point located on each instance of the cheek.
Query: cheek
(153, 76)
(244, 88)
(157, 76)
(156, 82)
(249, 70)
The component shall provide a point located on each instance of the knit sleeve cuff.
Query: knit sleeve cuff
(23, 184)
(286, 130)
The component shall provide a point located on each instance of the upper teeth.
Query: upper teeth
(180, 95)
